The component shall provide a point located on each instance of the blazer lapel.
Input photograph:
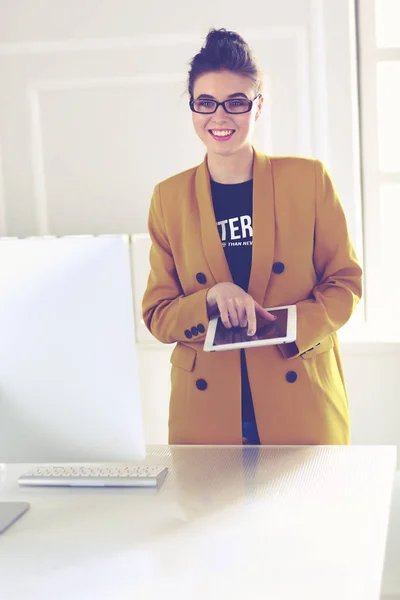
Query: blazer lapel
(263, 226)
(212, 246)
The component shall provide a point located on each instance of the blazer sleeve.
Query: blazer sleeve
(167, 312)
(339, 275)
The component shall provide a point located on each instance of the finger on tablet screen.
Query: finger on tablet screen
(251, 321)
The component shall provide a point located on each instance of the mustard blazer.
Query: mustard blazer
(302, 254)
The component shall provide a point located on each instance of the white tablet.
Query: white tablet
(269, 333)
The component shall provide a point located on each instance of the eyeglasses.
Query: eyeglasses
(235, 106)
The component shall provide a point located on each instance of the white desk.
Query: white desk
(289, 523)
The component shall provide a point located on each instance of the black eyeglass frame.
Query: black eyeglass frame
(211, 112)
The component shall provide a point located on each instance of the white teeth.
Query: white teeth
(222, 133)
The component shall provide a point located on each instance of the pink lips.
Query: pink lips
(220, 138)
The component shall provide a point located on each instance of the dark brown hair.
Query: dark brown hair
(225, 50)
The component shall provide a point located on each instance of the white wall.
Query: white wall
(94, 111)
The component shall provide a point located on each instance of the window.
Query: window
(379, 60)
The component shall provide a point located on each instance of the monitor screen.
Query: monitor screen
(68, 367)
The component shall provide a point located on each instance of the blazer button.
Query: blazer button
(291, 376)
(201, 384)
(201, 328)
(194, 331)
(278, 268)
(201, 278)
(188, 334)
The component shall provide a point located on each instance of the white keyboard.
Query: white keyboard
(143, 476)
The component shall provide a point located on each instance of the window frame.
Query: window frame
(372, 178)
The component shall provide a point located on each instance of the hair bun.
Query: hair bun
(225, 50)
(220, 37)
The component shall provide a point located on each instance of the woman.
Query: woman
(241, 232)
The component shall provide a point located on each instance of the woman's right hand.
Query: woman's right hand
(236, 307)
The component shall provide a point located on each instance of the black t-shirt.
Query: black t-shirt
(233, 208)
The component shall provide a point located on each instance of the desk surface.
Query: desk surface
(229, 522)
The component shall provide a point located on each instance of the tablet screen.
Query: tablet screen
(266, 330)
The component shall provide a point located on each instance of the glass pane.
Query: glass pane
(387, 14)
(390, 219)
(389, 116)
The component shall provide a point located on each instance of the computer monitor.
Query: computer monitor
(69, 388)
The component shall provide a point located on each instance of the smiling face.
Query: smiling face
(224, 133)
